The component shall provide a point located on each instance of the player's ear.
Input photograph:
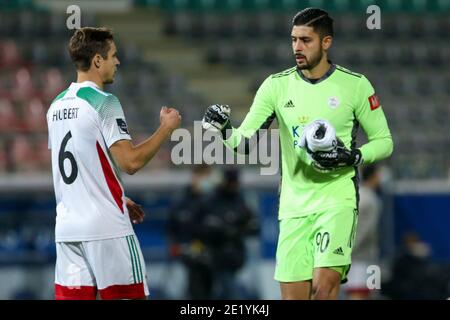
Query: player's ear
(327, 41)
(97, 60)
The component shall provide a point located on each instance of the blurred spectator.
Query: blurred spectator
(3, 158)
(23, 85)
(8, 116)
(34, 116)
(184, 230)
(414, 275)
(207, 229)
(9, 54)
(225, 227)
(42, 154)
(22, 156)
(53, 84)
(366, 249)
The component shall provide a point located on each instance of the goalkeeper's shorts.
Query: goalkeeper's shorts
(112, 268)
(323, 239)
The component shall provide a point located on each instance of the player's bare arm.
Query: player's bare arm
(131, 158)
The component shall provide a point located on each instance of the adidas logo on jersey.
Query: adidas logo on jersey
(339, 251)
(289, 104)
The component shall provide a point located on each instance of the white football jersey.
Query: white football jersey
(83, 122)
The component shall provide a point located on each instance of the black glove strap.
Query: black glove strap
(227, 131)
(340, 157)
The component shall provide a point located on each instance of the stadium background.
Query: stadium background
(189, 54)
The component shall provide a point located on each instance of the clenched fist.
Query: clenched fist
(169, 118)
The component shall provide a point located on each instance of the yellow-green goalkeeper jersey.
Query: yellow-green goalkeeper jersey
(344, 98)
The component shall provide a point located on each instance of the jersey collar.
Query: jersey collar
(324, 77)
(86, 84)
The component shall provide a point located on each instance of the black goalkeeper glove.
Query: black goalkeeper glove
(217, 117)
(339, 157)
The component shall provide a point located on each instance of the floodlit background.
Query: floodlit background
(192, 53)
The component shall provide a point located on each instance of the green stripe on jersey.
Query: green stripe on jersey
(61, 95)
(105, 104)
(285, 72)
(348, 71)
(92, 96)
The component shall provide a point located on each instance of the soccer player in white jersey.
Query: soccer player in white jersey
(97, 252)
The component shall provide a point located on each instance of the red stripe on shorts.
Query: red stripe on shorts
(360, 291)
(75, 293)
(130, 291)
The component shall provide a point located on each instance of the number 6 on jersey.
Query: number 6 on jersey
(63, 155)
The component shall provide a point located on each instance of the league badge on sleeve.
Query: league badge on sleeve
(123, 128)
(374, 102)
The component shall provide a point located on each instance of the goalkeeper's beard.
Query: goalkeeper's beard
(310, 64)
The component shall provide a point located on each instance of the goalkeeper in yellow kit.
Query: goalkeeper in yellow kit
(319, 190)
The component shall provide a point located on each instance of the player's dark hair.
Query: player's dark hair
(316, 18)
(86, 43)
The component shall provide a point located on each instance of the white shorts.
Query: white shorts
(114, 268)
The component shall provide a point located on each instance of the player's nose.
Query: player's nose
(298, 47)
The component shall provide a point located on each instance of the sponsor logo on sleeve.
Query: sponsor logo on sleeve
(374, 102)
(123, 128)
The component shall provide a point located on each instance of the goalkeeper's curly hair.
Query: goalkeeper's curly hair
(316, 18)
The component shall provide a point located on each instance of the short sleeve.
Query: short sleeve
(113, 123)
